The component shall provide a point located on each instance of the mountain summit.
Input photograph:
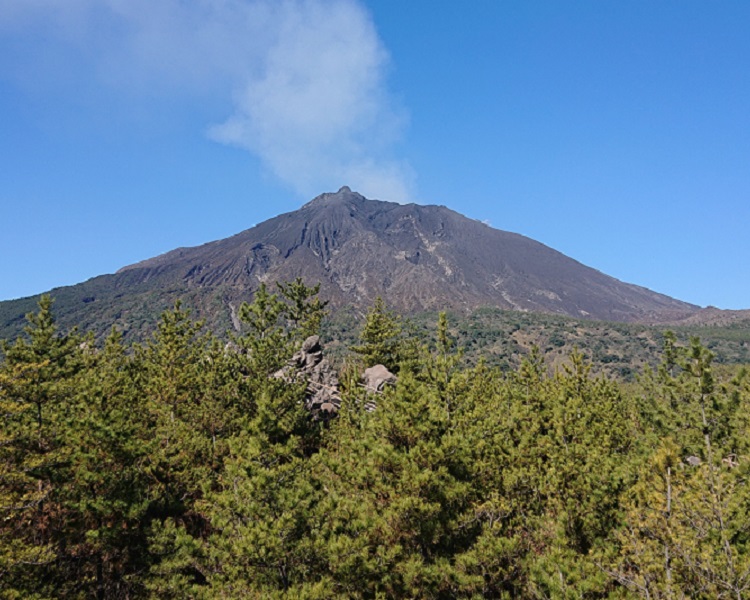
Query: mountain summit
(416, 257)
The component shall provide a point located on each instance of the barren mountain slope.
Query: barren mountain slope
(416, 257)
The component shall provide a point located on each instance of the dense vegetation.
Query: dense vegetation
(182, 468)
(502, 338)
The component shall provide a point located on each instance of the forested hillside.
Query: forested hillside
(504, 338)
(182, 468)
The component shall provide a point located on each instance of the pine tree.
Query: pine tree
(22, 491)
(380, 337)
(686, 527)
(261, 513)
(193, 408)
(261, 509)
(105, 492)
(265, 345)
(398, 491)
(304, 312)
(37, 382)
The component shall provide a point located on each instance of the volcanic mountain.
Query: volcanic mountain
(416, 257)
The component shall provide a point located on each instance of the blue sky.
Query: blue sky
(615, 132)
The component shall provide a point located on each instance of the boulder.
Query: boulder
(377, 377)
(308, 364)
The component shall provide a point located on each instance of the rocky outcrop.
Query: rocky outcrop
(309, 365)
(322, 397)
(377, 377)
(374, 380)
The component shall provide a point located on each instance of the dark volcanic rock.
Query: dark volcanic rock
(415, 257)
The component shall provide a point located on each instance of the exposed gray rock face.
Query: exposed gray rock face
(377, 377)
(323, 398)
(374, 380)
(308, 364)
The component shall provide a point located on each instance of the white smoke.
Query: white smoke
(305, 79)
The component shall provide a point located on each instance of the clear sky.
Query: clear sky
(617, 132)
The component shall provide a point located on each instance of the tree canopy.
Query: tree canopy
(184, 468)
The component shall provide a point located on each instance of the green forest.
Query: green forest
(180, 467)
